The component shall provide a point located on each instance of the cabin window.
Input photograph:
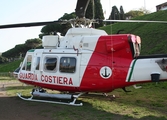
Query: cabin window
(67, 64)
(27, 63)
(50, 64)
(37, 63)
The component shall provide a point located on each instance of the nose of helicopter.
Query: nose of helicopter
(16, 71)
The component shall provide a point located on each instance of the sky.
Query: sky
(23, 11)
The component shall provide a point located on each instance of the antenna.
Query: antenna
(93, 10)
(93, 7)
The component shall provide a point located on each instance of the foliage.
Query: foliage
(122, 14)
(153, 35)
(114, 14)
(144, 10)
(97, 13)
(20, 50)
(134, 13)
(62, 28)
(16, 51)
(33, 43)
(3, 59)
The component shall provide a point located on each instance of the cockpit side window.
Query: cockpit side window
(27, 63)
(37, 63)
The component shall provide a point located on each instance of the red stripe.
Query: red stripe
(118, 60)
(52, 86)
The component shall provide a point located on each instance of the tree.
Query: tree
(115, 15)
(33, 43)
(67, 16)
(122, 15)
(98, 12)
(3, 59)
(144, 10)
(62, 28)
(134, 13)
(16, 51)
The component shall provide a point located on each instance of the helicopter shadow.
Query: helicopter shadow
(91, 109)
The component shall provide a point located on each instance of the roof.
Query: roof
(162, 4)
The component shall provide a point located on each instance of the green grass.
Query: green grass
(6, 78)
(147, 103)
(153, 35)
(11, 66)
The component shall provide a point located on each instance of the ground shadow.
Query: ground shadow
(16, 109)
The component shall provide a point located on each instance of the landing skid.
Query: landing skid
(48, 101)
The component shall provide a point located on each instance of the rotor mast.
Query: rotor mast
(80, 11)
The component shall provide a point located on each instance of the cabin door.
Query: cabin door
(37, 66)
(61, 70)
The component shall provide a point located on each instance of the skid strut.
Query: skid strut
(37, 92)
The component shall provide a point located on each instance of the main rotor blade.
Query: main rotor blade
(28, 24)
(81, 8)
(138, 21)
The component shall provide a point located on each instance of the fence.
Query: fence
(8, 78)
(7, 75)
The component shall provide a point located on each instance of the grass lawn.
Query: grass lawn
(147, 103)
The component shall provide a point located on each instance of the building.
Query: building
(162, 6)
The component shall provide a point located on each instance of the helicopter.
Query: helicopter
(86, 60)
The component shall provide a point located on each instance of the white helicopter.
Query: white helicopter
(87, 60)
